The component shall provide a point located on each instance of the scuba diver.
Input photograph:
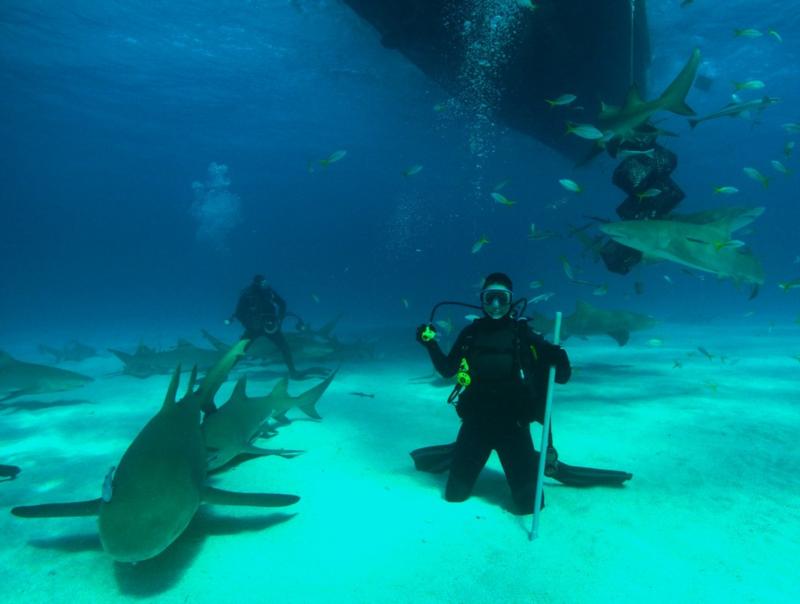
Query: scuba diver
(261, 312)
(502, 367)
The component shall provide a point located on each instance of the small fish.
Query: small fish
(600, 290)
(757, 176)
(363, 394)
(315, 297)
(668, 279)
(471, 318)
(561, 101)
(655, 342)
(567, 268)
(586, 131)
(476, 247)
(676, 364)
(527, 4)
(535, 284)
(501, 185)
(791, 127)
(446, 325)
(502, 199)
(789, 285)
(626, 153)
(540, 234)
(439, 107)
(648, 193)
(725, 190)
(749, 314)
(404, 302)
(542, 298)
(747, 33)
(570, 185)
(411, 170)
(333, 158)
(749, 85)
(775, 34)
(705, 353)
(788, 149)
(779, 167)
(730, 243)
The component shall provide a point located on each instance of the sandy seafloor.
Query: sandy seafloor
(712, 514)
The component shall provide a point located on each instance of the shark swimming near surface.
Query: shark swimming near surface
(159, 484)
(20, 378)
(701, 241)
(623, 122)
(230, 430)
(590, 321)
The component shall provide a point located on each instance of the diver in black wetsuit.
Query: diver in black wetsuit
(507, 364)
(261, 311)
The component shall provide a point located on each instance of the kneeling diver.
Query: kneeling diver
(502, 367)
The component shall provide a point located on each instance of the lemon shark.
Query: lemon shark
(590, 321)
(147, 361)
(700, 241)
(20, 378)
(230, 430)
(623, 122)
(160, 481)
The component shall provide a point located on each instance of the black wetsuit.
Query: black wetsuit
(497, 407)
(260, 310)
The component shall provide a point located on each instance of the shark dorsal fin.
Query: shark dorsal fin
(216, 376)
(633, 99)
(192, 380)
(281, 389)
(240, 390)
(172, 390)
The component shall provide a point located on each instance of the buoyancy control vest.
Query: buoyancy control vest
(506, 377)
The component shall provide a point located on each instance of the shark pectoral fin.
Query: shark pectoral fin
(58, 510)
(286, 453)
(15, 394)
(262, 500)
(621, 336)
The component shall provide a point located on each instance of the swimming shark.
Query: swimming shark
(160, 481)
(230, 430)
(706, 246)
(20, 378)
(740, 109)
(147, 361)
(623, 122)
(72, 351)
(590, 321)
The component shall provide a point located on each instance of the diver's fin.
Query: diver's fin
(578, 476)
(435, 459)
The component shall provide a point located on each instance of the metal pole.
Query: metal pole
(551, 377)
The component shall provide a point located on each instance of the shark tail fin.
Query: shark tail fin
(674, 97)
(308, 400)
(58, 510)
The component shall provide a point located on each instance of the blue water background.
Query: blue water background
(111, 110)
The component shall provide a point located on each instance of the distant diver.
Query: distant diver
(501, 366)
(261, 312)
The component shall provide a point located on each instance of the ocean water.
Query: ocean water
(155, 156)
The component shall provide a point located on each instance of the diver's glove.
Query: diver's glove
(426, 334)
(560, 359)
